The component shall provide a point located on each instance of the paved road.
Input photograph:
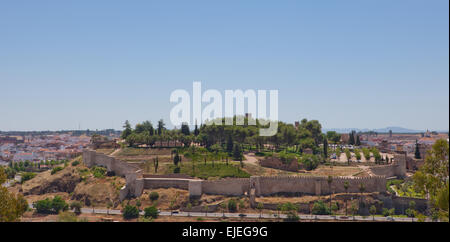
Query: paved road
(257, 215)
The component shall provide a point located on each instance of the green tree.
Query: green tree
(348, 155)
(76, 206)
(417, 151)
(232, 205)
(127, 130)
(325, 148)
(153, 196)
(358, 141)
(130, 212)
(346, 186)
(432, 177)
(151, 212)
(373, 211)
(260, 207)
(11, 206)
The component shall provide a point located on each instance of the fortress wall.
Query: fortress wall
(231, 186)
(152, 183)
(317, 185)
(397, 168)
(263, 186)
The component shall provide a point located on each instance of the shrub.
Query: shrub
(320, 208)
(56, 169)
(59, 205)
(232, 205)
(153, 196)
(310, 162)
(130, 212)
(151, 212)
(43, 206)
(48, 206)
(176, 169)
(27, 176)
(76, 206)
(75, 163)
(98, 172)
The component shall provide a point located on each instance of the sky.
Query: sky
(349, 64)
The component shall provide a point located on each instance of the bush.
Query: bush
(320, 208)
(75, 163)
(59, 205)
(232, 205)
(130, 212)
(151, 212)
(98, 172)
(43, 206)
(56, 169)
(76, 206)
(176, 169)
(153, 196)
(48, 206)
(27, 176)
(310, 162)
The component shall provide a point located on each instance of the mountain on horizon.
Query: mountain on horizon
(380, 130)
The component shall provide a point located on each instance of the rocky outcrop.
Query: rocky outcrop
(99, 193)
(63, 181)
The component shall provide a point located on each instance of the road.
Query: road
(257, 215)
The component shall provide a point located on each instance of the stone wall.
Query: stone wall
(264, 186)
(230, 186)
(397, 168)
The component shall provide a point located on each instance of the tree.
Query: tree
(329, 181)
(153, 196)
(185, 129)
(260, 207)
(196, 131)
(362, 188)
(354, 210)
(76, 206)
(346, 186)
(319, 208)
(358, 142)
(325, 148)
(333, 136)
(348, 155)
(351, 139)
(373, 211)
(237, 152)
(160, 128)
(189, 208)
(151, 212)
(130, 212)
(127, 130)
(417, 151)
(156, 164)
(232, 205)
(432, 177)
(11, 206)
(223, 206)
(230, 144)
(176, 159)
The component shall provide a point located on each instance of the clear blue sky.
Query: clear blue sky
(359, 64)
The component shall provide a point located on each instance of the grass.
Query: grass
(205, 171)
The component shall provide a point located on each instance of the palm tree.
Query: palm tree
(206, 210)
(260, 207)
(346, 185)
(330, 180)
(189, 207)
(362, 188)
(224, 207)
